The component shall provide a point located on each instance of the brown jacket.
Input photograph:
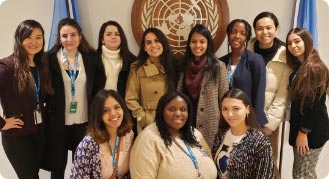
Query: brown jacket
(211, 93)
(144, 89)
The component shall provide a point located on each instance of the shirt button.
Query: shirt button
(155, 92)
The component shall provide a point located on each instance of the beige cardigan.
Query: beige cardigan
(150, 159)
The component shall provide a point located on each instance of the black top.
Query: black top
(313, 118)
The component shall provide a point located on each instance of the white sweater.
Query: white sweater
(112, 64)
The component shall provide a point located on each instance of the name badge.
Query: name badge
(73, 106)
(37, 116)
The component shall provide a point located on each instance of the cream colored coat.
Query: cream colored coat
(276, 91)
(144, 89)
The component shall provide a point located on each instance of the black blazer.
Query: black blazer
(55, 119)
(314, 118)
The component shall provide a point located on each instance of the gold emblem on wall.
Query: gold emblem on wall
(175, 18)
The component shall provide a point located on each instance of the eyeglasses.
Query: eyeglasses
(235, 32)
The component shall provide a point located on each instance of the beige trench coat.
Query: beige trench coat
(144, 89)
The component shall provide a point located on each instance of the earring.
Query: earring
(247, 116)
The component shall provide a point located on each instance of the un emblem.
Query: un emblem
(175, 18)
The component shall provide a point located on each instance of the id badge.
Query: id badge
(73, 106)
(37, 117)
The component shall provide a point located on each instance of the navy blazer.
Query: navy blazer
(250, 77)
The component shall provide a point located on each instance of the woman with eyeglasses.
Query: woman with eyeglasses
(246, 70)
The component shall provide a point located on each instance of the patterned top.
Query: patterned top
(93, 160)
(252, 157)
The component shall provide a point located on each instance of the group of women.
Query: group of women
(202, 117)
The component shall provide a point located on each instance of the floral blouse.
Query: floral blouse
(93, 160)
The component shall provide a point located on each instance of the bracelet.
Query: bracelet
(302, 134)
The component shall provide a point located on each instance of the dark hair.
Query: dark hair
(125, 53)
(308, 42)
(246, 25)
(240, 95)
(166, 58)
(22, 70)
(187, 130)
(83, 47)
(211, 66)
(314, 81)
(266, 14)
(96, 126)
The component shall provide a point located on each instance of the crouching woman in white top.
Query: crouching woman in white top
(171, 147)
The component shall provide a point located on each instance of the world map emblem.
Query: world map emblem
(175, 18)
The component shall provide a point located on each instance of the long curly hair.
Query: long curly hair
(22, 71)
(187, 131)
(312, 79)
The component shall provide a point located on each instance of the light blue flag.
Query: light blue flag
(307, 18)
(61, 11)
(75, 11)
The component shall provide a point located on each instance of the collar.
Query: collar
(109, 54)
(151, 69)
(62, 59)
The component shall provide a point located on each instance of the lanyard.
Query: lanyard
(115, 157)
(292, 80)
(37, 87)
(230, 73)
(189, 154)
(294, 77)
(73, 72)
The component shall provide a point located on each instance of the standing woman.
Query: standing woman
(309, 123)
(246, 70)
(104, 151)
(116, 56)
(151, 76)
(76, 76)
(24, 82)
(204, 80)
(273, 50)
(241, 150)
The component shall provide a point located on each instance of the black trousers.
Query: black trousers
(25, 153)
(73, 134)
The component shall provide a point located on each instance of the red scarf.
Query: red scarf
(194, 76)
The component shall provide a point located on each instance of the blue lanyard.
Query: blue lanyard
(294, 77)
(230, 73)
(189, 154)
(114, 151)
(192, 156)
(37, 87)
(73, 72)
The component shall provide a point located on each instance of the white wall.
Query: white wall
(94, 13)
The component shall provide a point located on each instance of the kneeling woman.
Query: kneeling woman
(104, 152)
(241, 150)
(171, 147)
